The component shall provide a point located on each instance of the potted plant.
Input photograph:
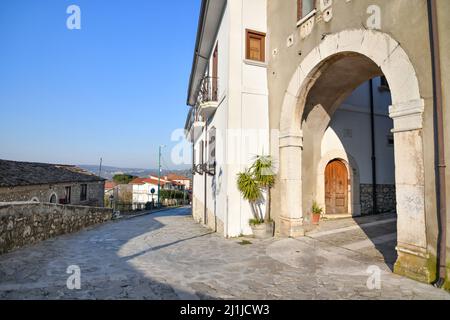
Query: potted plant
(264, 174)
(316, 213)
(254, 185)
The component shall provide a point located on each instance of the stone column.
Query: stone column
(291, 213)
(413, 258)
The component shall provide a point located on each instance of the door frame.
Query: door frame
(346, 191)
(354, 186)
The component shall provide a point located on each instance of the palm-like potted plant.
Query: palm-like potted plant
(316, 213)
(254, 185)
(263, 172)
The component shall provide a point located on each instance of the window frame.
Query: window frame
(83, 192)
(68, 195)
(262, 37)
(300, 16)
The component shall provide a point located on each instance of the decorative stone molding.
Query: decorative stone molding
(291, 140)
(407, 115)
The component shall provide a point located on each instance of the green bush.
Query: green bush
(123, 178)
(171, 194)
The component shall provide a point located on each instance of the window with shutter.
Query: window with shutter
(304, 7)
(256, 46)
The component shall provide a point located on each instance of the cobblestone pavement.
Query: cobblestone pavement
(168, 256)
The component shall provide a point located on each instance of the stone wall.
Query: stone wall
(43, 193)
(27, 223)
(386, 198)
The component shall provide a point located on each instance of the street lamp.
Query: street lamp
(159, 171)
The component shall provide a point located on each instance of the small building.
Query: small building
(109, 188)
(180, 180)
(49, 183)
(142, 189)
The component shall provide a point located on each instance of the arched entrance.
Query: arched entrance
(324, 79)
(336, 188)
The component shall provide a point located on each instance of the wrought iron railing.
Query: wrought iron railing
(209, 89)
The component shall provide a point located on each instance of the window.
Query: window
(215, 73)
(212, 146)
(304, 7)
(384, 85)
(53, 198)
(390, 140)
(68, 193)
(83, 193)
(202, 152)
(256, 46)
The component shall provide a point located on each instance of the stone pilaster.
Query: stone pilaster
(413, 259)
(291, 214)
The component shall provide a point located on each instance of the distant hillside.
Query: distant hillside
(108, 172)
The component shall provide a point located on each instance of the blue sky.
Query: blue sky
(114, 89)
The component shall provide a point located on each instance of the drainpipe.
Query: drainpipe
(439, 142)
(374, 157)
(205, 213)
(193, 167)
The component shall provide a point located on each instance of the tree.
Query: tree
(254, 182)
(264, 175)
(123, 178)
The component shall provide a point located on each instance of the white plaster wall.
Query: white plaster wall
(349, 131)
(216, 186)
(249, 109)
(142, 193)
(242, 111)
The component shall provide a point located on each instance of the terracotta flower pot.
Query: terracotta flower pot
(316, 218)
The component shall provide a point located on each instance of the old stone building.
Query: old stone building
(49, 183)
(322, 51)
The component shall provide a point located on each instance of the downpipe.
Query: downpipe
(439, 144)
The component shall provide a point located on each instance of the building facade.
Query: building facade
(321, 51)
(228, 87)
(353, 99)
(146, 190)
(49, 183)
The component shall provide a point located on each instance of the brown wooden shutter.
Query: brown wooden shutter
(215, 73)
(255, 46)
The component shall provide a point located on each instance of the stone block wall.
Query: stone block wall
(27, 223)
(43, 193)
(386, 198)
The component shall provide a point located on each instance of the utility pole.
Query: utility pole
(100, 169)
(159, 170)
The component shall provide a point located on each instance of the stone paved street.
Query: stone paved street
(168, 256)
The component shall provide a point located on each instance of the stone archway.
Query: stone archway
(386, 55)
(353, 170)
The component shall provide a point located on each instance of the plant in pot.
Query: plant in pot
(254, 184)
(316, 213)
(264, 174)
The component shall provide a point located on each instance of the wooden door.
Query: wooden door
(336, 188)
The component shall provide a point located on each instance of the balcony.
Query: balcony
(208, 97)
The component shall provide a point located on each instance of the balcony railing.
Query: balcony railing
(208, 90)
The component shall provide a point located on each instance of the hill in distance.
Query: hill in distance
(109, 172)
